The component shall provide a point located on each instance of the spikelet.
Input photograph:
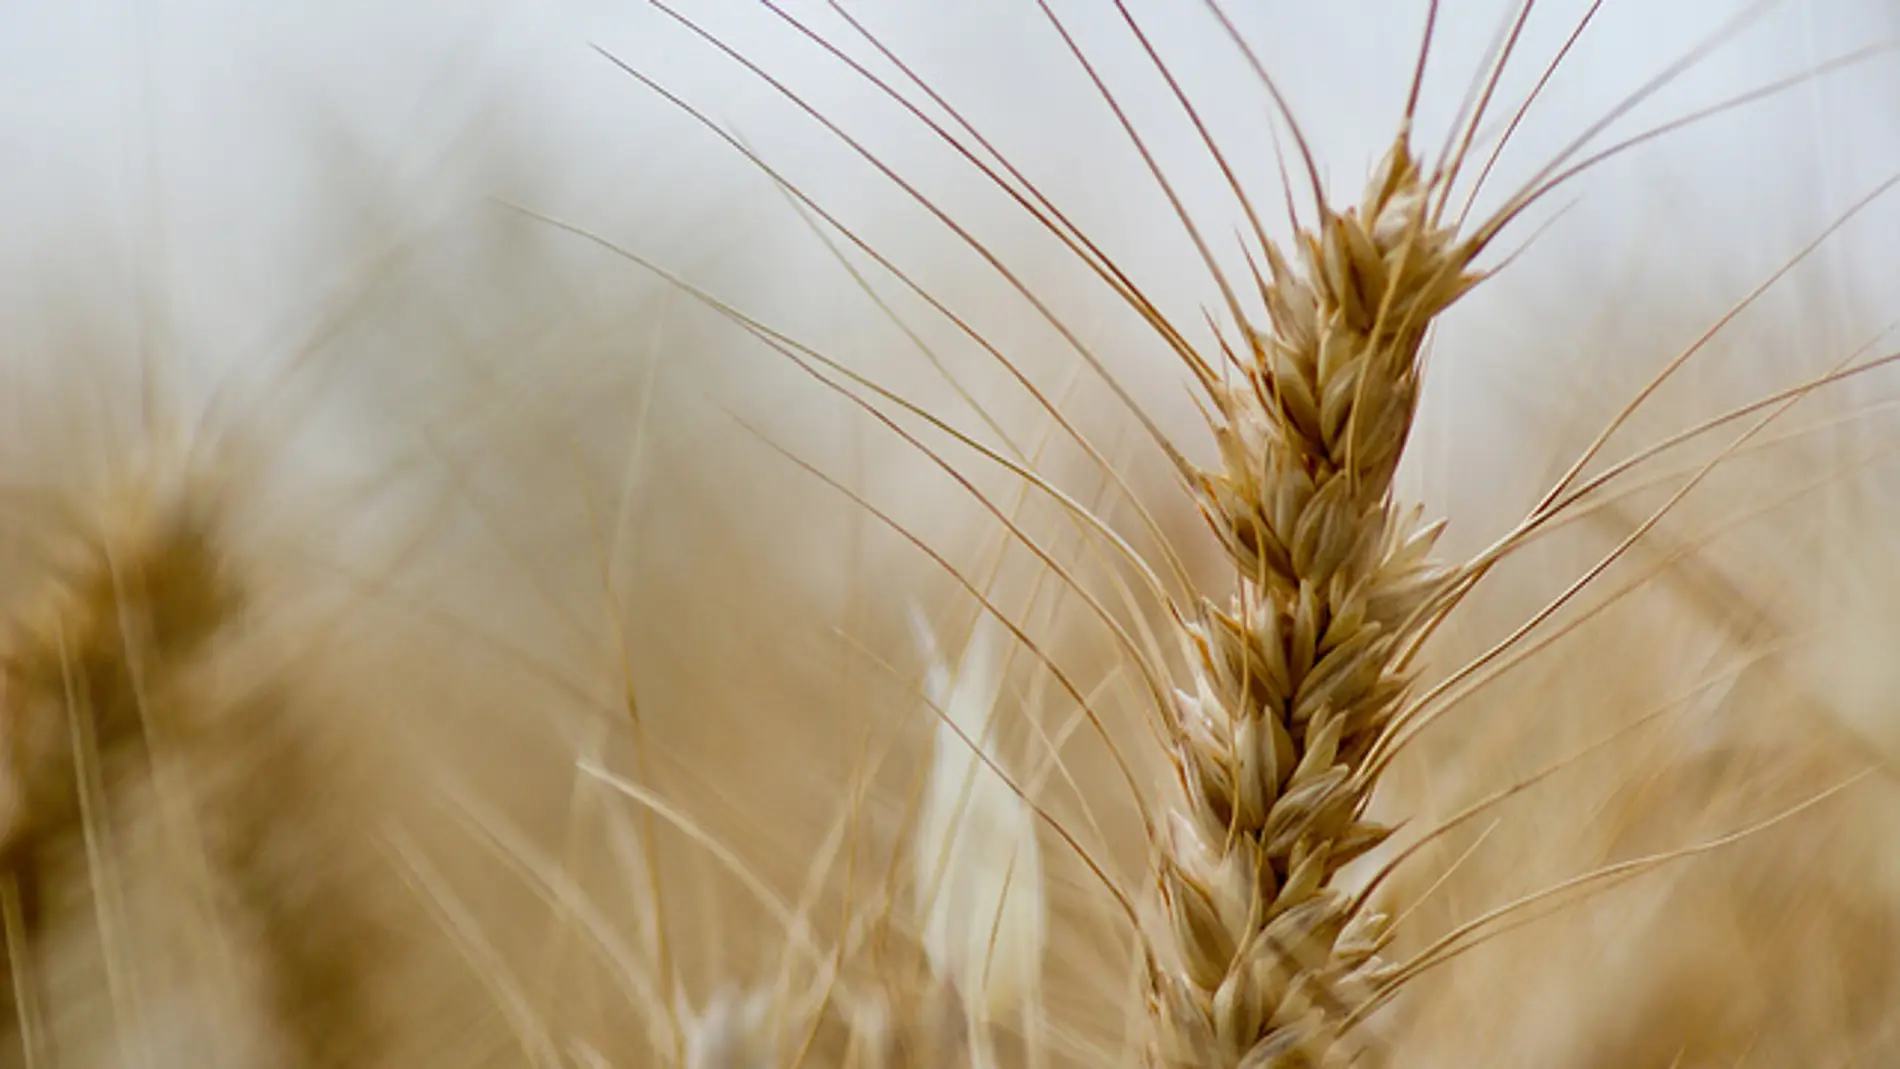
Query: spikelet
(1297, 675)
(979, 871)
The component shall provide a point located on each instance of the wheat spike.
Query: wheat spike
(142, 589)
(1298, 674)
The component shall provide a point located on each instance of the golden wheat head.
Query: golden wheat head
(1297, 677)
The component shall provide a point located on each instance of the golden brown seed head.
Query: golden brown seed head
(1297, 674)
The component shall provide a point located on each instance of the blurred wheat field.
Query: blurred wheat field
(688, 534)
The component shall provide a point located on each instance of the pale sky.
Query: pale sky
(204, 139)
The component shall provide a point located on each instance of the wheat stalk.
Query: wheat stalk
(1297, 676)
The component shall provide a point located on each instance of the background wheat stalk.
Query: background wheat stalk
(141, 589)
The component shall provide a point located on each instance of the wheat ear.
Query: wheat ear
(1261, 955)
(141, 591)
